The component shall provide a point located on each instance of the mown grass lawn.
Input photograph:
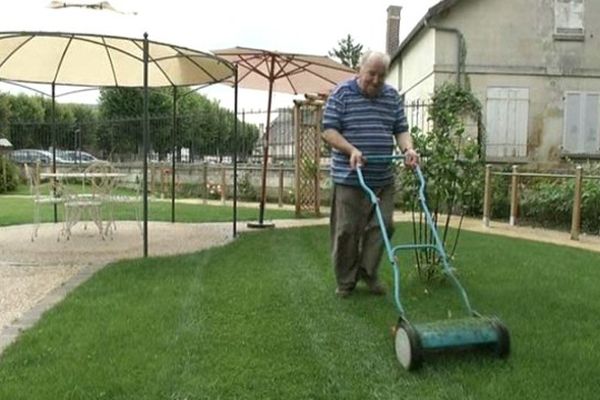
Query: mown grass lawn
(258, 319)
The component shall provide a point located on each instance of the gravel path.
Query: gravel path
(30, 270)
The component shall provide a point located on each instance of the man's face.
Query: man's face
(371, 77)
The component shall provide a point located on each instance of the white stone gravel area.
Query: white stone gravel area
(22, 287)
(29, 270)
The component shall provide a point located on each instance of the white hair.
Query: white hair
(375, 55)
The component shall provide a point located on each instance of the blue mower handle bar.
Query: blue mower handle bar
(389, 159)
(438, 244)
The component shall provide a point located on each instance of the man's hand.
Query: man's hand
(356, 159)
(336, 140)
(411, 158)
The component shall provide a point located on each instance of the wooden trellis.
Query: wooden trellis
(307, 126)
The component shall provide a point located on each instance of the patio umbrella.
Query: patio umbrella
(81, 59)
(103, 61)
(282, 72)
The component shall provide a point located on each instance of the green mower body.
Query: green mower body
(412, 342)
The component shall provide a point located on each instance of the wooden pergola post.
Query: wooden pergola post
(576, 218)
(514, 198)
(487, 196)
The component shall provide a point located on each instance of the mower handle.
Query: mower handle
(438, 244)
(381, 159)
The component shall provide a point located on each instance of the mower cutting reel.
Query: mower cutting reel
(413, 341)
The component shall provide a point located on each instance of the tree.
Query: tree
(5, 114)
(27, 116)
(203, 126)
(121, 110)
(348, 52)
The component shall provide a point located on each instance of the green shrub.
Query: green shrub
(453, 169)
(9, 176)
(246, 191)
(590, 206)
(500, 195)
(549, 203)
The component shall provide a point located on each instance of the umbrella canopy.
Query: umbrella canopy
(107, 61)
(103, 61)
(287, 73)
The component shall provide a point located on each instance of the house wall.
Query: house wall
(519, 38)
(510, 44)
(417, 80)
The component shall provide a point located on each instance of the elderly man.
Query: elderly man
(362, 117)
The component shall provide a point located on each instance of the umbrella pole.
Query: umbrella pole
(53, 121)
(235, 150)
(145, 130)
(173, 152)
(263, 193)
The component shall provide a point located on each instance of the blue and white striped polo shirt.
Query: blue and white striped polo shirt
(367, 123)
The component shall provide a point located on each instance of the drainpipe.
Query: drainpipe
(459, 41)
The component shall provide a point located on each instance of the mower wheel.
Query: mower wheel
(502, 348)
(407, 346)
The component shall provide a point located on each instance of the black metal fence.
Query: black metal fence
(417, 115)
(196, 138)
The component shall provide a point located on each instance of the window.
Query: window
(581, 134)
(507, 116)
(568, 19)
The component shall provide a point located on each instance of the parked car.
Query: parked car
(76, 156)
(32, 156)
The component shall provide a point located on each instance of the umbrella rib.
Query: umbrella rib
(290, 60)
(304, 68)
(62, 58)
(127, 53)
(253, 68)
(285, 75)
(26, 87)
(153, 61)
(180, 54)
(110, 61)
(19, 47)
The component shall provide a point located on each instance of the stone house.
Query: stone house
(535, 67)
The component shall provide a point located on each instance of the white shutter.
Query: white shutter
(581, 132)
(590, 124)
(572, 122)
(495, 106)
(507, 116)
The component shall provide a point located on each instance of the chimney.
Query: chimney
(392, 38)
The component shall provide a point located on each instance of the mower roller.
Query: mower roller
(413, 341)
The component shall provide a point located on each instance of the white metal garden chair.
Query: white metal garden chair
(88, 203)
(134, 200)
(55, 196)
(104, 181)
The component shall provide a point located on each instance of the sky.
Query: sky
(309, 26)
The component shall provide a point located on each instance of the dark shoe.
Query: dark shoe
(343, 293)
(376, 288)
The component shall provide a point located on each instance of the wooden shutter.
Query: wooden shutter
(581, 132)
(507, 116)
